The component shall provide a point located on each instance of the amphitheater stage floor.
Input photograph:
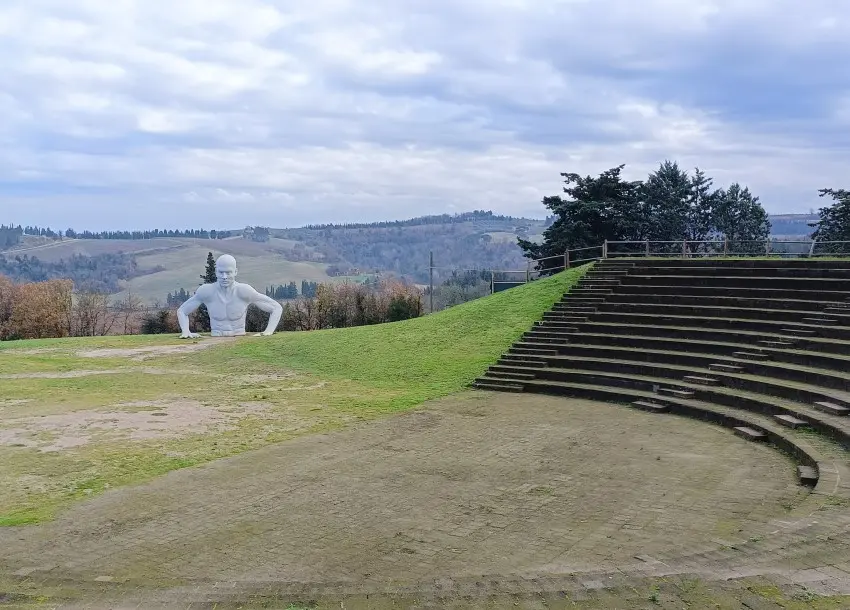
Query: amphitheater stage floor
(479, 493)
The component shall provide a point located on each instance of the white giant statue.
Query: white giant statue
(227, 301)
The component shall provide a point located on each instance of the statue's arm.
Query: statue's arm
(183, 316)
(269, 305)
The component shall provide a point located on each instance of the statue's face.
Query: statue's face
(225, 273)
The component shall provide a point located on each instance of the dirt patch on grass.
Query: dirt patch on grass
(147, 420)
(265, 378)
(143, 353)
(29, 352)
(86, 373)
(14, 402)
(62, 375)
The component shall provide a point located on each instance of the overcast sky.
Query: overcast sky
(222, 113)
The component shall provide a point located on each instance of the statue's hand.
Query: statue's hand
(190, 336)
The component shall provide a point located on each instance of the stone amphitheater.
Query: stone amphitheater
(759, 346)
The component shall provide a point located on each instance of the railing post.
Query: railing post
(492, 281)
(647, 248)
(567, 259)
(605, 249)
(767, 246)
(528, 273)
(812, 248)
(725, 246)
(684, 248)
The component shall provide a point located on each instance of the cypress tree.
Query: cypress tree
(202, 317)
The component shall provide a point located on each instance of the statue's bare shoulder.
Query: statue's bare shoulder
(246, 292)
(205, 291)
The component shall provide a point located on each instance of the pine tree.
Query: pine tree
(834, 222)
(740, 218)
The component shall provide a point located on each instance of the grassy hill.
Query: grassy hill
(78, 416)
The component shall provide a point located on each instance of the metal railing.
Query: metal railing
(502, 279)
(684, 248)
(726, 247)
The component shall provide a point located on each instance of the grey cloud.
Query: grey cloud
(262, 111)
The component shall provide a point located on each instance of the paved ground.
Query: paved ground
(478, 494)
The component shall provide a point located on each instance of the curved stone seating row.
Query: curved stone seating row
(760, 346)
(784, 352)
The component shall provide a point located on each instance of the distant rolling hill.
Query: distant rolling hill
(320, 254)
(168, 264)
(792, 225)
(331, 252)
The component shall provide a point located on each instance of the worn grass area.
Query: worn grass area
(672, 593)
(78, 416)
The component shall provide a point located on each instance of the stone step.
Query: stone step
(750, 433)
(497, 386)
(575, 299)
(587, 292)
(701, 380)
(645, 405)
(558, 325)
(825, 321)
(800, 332)
(580, 309)
(510, 374)
(808, 475)
(725, 368)
(832, 409)
(778, 344)
(515, 360)
(839, 310)
(676, 393)
(545, 339)
(752, 356)
(534, 351)
(790, 421)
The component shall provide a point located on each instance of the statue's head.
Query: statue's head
(225, 270)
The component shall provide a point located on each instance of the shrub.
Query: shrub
(160, 322)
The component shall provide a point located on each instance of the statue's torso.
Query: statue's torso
(227, 312)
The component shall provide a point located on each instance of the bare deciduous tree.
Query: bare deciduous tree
(130, 310)
(92, 315)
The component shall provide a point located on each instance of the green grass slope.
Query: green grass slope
(56, 393)
(423, 358)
